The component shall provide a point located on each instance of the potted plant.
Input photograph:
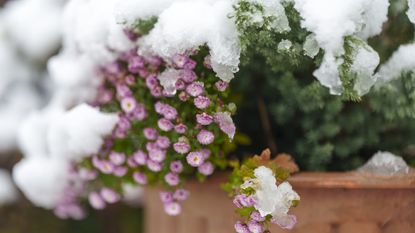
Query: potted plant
(144, 96)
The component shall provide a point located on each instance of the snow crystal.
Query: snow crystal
(8, 193)
(328, 75)
(401, 61)
(411, 10)
(79, 132)
(42, 180)
(284, 45)
(310, 46)
(186, 25)
(364, 64)
(386, 164)
(34, 26)
(168, 80)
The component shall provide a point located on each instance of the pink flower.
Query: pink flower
(202, 102)
(151, 82)
(204, 118)
(207, 63)
(123, 91)
(150, 133)
(206, 168)
(135, 63)
(172, 179)
(130, 80)
(206, 153)
(131, 162)
(205, 137)
(180, 128)
(120, 171)
(109, 195)
(153, 166)
(242, 200)
(285, 222)
(181, 194)
(163, 142)
(179, 60)
(117, 158)
(221, 85)
(225, 122)
(195, 158)
(139, 113)
(188, 76)
(128, 104)
(176, 166)
(241, 228)
(181, 147)
(256, 216)
(106, 167)
(180, 84)
(166, 197)
(96, 201)
(195, 89)
(140, 157)
(183, 96)
(165, 124)
(140, 178)
(157, 155)
(172, 208)
(255, 227)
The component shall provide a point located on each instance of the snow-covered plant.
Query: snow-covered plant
(141, 96)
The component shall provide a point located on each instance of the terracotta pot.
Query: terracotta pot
(330, 203)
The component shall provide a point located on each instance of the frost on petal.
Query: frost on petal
(42, 180)
(168, 80)
(226, 124)
(8, 193)
(79, 132)
(401, 61)
(411, 11)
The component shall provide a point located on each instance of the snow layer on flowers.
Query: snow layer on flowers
(411, 10)
(271, 198)
(186, 25)
(79, 132)
(34, 26)
(8, 193)
(42, 180)
(323, 17)
(401, 61)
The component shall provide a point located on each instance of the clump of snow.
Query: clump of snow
(364, 64)
(128, 11)
(42, 179)
(79, 132)
(310, 46)
(271, 9)
(187, 25)
(385, 164)
(8, 193)
(34, 26)
(331, 21)
(284, 45)
(411, 10)
(401, 61)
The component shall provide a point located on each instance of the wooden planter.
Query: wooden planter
(330, 203)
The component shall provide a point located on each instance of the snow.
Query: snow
(385, 164)
(42, 180)
(364, 64)
(284, 45)
(401, 61)
(323, 18)
(186, 25)
(79, 132)
(128, 11)
(34, 26)
(271, 8)
(411, 10)
(8, 193)
(310, 46)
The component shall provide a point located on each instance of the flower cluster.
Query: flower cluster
(173, 122)
(257, 196)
